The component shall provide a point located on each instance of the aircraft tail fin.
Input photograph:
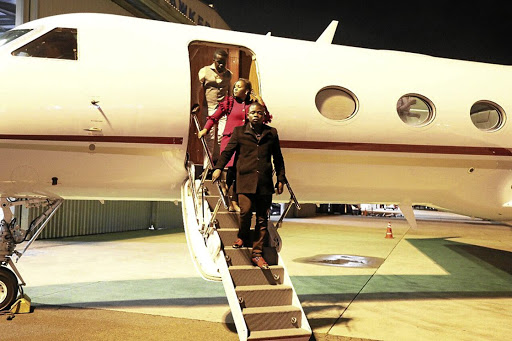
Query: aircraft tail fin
(327, 36)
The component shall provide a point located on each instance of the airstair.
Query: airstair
(263, 302)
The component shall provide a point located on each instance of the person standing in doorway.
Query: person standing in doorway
(215, 82)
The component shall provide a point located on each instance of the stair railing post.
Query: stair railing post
(293, 199)
(195, 109)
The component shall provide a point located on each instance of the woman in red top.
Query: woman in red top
(235, 108)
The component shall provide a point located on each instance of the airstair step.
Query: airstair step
(210, 186)
(229, 235)
(271, 318)
(212, 202)
(251, 296)
(292, 334)
(252, 275)
(242, 256)
(227, 220)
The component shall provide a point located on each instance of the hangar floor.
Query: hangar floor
(450, 279)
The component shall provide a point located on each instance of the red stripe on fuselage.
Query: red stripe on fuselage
(348, 146)
(94, 138)
(397, 148)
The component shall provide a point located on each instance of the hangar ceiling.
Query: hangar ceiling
(7, 14)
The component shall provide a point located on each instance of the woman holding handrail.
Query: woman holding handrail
(235, 108)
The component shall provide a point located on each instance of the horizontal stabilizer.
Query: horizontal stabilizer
(327, 36)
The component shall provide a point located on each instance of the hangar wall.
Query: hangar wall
(85, 217)
(34, 9)
(52, 7)
(192, 12)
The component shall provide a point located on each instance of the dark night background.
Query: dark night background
(479, 31)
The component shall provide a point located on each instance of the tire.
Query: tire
(8, 288)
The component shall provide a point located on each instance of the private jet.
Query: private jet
(98, 107)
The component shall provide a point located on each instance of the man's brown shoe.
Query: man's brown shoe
(260, 262)
(238, 243)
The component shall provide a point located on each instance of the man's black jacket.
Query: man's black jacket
(253, 159)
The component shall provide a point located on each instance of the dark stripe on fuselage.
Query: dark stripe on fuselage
(317, 145)
(396, 148)
(94, 138)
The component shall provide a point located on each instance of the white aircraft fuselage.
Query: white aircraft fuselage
(113, 125)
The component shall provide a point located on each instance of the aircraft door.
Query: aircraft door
(242, 64)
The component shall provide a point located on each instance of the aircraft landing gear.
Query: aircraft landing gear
(8, 288)
(12, 234)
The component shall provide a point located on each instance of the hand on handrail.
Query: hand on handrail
(216, 175)
(202, 133)
(279, 187)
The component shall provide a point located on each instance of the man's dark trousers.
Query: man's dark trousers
(261, 204)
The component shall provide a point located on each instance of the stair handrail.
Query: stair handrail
(292, 195)
(213, 219)
(194, 111)
(293, 200)
(192, 182)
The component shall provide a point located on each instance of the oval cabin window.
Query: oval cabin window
(415, 110)
(487, 116)
(336, 103)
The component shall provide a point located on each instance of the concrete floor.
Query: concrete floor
(448, 279)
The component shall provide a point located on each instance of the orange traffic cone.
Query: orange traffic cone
(389, 232)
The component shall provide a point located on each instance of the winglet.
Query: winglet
(408, 212)
(327, 36)
(269, 34)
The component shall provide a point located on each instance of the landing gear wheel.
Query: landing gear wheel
(8, 288)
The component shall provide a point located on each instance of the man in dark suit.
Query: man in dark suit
(255, 144)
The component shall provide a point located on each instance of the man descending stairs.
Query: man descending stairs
(255, 148)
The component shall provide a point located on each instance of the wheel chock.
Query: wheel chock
(22, 305)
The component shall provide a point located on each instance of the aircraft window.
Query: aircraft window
(11, 35)
(336, 103)
(415, 110)
(59, 43)
(487, 116)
